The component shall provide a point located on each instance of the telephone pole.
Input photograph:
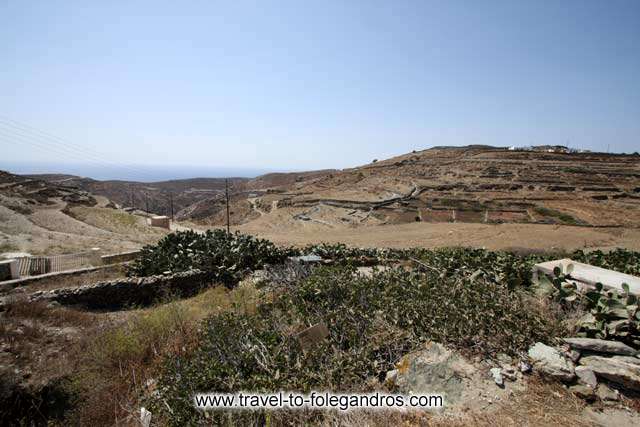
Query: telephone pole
(146, 202)
(132, 201)
(226, 193)
(171, 204)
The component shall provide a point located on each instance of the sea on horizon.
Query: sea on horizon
(141, 173)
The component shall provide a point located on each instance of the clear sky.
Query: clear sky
(296, 85)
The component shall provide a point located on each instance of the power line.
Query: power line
(66, 153)
(36, 137)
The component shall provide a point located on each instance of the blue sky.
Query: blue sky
(296, 85)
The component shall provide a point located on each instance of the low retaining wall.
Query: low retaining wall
(120, 257)
(131, 291)
(10, 284)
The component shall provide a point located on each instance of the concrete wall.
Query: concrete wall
(126, 292)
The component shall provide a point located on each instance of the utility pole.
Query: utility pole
(146, 202)
(171, 204)
(226, 193)
(132, 201)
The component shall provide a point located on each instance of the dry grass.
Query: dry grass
(40, 311)
(118, 364)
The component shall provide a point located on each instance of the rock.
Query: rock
(435, 370)
(573, 355)
(390, 378)
(583, 391)
(549, 362)
(600, 346)
(626, 374)
(510, 373)
(586, 376)
(605, 393)
(525, 367)
(627, 359)
(145, 417)
(496, 373)
(504, 359)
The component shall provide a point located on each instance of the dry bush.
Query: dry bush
(42, 311)
(22, 308)
(118, 361)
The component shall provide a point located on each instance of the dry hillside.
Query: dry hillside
(41, 217)
(456, 196)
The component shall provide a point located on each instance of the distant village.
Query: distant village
(549, 149)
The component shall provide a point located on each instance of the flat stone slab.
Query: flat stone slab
(617, 371)
(601, 346)
(589, 275)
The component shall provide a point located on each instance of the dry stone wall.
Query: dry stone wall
(131, 291)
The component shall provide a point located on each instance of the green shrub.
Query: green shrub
(225, 256)
(563, 217)
(608, 313)
(373, 321)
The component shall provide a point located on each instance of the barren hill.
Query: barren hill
(455, 196)
(156, 197)
(468, 184)
(41, 217)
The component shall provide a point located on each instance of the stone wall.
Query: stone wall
(10, 284)
(120, 257)
(131, 291)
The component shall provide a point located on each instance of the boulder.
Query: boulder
(600, 346)
(550, 362)
(617, 371)
(434, 370)
(586, 376)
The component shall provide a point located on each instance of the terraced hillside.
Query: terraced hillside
(467, 185)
